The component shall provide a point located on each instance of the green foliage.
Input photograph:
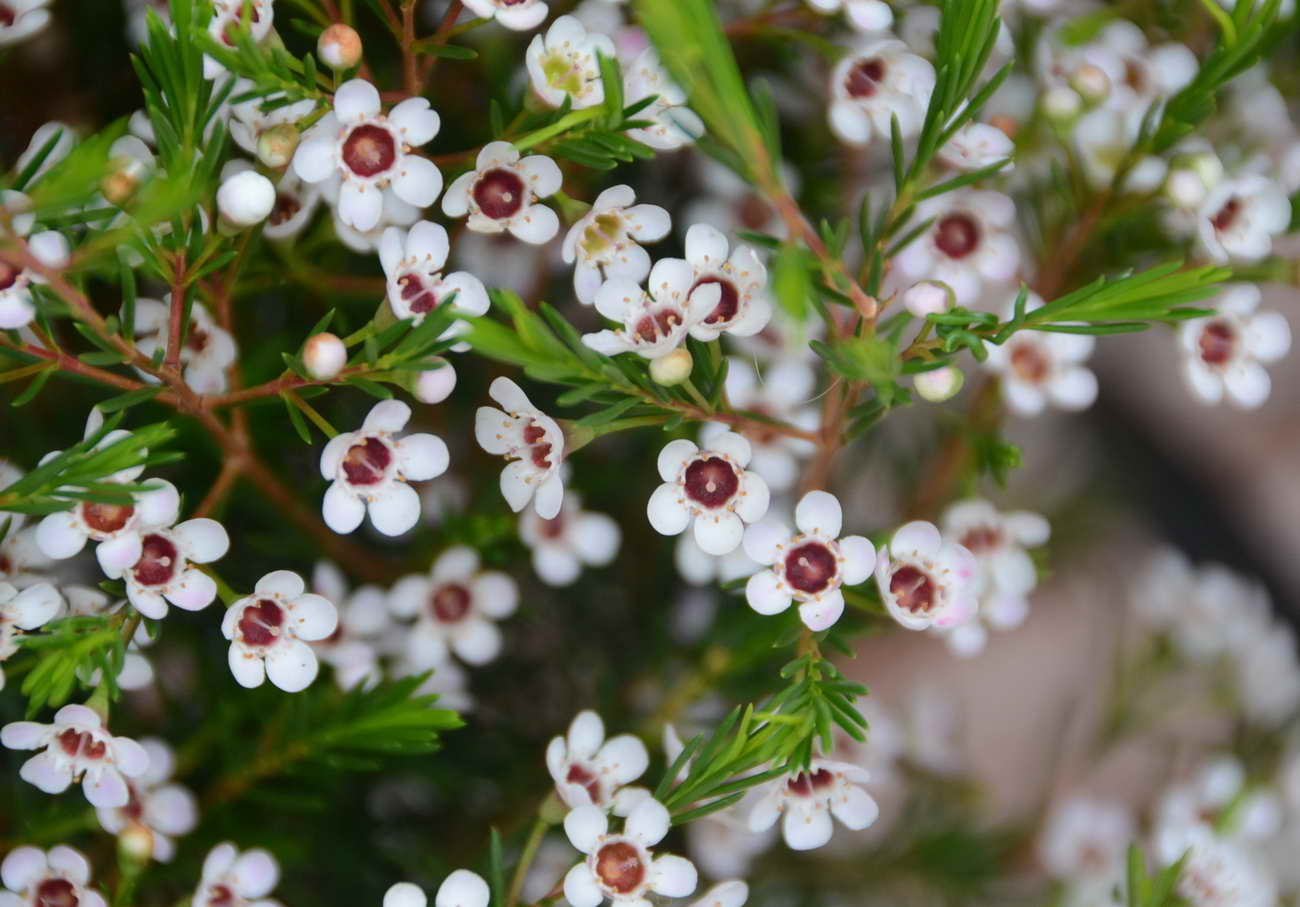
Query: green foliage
(1145, 890)
(69, 651)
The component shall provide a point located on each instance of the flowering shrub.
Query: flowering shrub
(346, 335)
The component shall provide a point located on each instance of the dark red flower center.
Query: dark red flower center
(711, 481)
(236, 21)
(419, 296)
(1217, 343)
(657, 325)
(196, 340)
(369, 150)
(810, 567)
(957, 235)
(865, 77)
(1227, 214)
(260, 623)
(1029, 363)
(728, 302)
(81, 743)
(134, 809)
(55, 892)
(980, 539)
(913, 589)
(540, 449)
(581, 775)
(220, 896)
(619, 867)
(106, 517)
(158, 560)
(8, 273)
(805, 783)
(286, 206)
(366, 463)
(548, 529)
(499, 193)
(450, 602)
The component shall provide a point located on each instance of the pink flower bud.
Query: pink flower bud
(324, 355)
(339, 46)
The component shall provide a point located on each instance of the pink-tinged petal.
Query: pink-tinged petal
(550, 497)
(516, 486)
(354, 100)
(495, 594)
(203, 540)
(247, 667)
(623, 759)
(60, 535)
(360, 206)
(585, 826)
(23, 866)
(455, 201)
(160, 505)
(648, 823)
(463, 889)
(416, 121)
(764, 540)
(35, 605)
(859, 559)
(585, 735)
(732, 445)
(536, 225)
(23, 735)
(117, 554)
(342, 512)
(106, 788)
(706, 247)
(172, 809)
(284, 583)
(148, 602)
(44, 772)
(387, 416)
(719, 533)
(418, 181)
(822, 612)
(819, 512)
(476, 641)
(667, 510)
(313, 617)
(80, 715)
(396, 509)
(333, 454)
(918, 537)
(673, 876)
(291, 665)
(422, 456)
(131, 758)
(580, 887)
(766, 594)
(92, 898)
(194, 591)
(218, 861)
(255, 873)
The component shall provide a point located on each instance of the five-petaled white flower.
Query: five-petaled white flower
(976, 146)
(1085, 837)
(166, 810)
(570, 540)
(118, 528)
(925, 579)
(1224, 353)
(869, 88)
(228, 15)
(207, 351)
(455, 607)
(808, 799)
(672, 124)
(592, 771)
(968, 244)
(529, 437)
(366, 156)
(49, 248)
(743, 307)
(21, 19)
(77, 747)
(709, 487)
(863, 15)
(354, 647)
(248, 121)
(370, 469)
(36, 878)
(517, 15)
(234, 879)
(164, 572)
(651, 324)
(604, 242)
(622, 867)
(564, 63)
(25, 610)
(502, 191)
(413, 261)
(269, 631)
(296, 202)
(460, 889)
(1239, 218)
(1038, 368)
(809, 565)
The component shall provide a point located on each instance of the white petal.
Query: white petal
(854, 807)
(47, 775)
(202, 540)
(193, 591)
(396, 509)
(360, 206)
(417, 122)
(1074, 389)
(585, 826)
(342, 512)
(535, 225)
(859, 559)
(106, 789)
(806, 829)
(624, 758)
(580, 888)
(35, 605)
(764, 539)
(405, 894)
(59, 535)
(648, 823)
(355, 99)
(542, 173)
(495, 594)
(673, 457)
(255, 873)
(733, 445)
(418, 182)
(284, 583)
(1248, 384)
(673, 876)
(719, 533)
(515, 487)
(314, 160)
(550, 497)
(706, 247)
(23, 866)
(667, 512)
(314, 617)
(819, 512)
(822, 612)
(765, 594)
(422, 456)
(917, 537)
(585, 735)
(291, 665)
(462, 889)
(476, 641)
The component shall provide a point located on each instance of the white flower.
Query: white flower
(118, 528)
(1267, 676)
(363, 622)
(413, 261)
(245, 198)
(603, 243)
(882, 80)
(863, 15)
(673, 124)
(163, 572)
(77, 747)
(710, 488)
(232, 879)
(1218, 872)
(1104, 138)
(809, 799)
(64, 139)
(460, 889)
(808, 566)
(1085, 837)
(1118, 68)
(977, 145)
(166, 810)
(405, 894)
(564, 64)
(137, 672)
(369, 470)
(926, 580)
(397, 213)
(783, 392)
(969, 243)
(572, 539)
(1239, 218)
(722, 198)
(529, 437)
(501, 193)
(21, 558)
(295, 203)
(700, 568)
(592, 771)
(1042, 367)
(1006, 573)
(1219, 796)
(269, 631)
(36, 878)
(368, 157)
(229, 15)
(518, 15)
(207, 352)
(455, 607)
(733, 893)
(743, 307)
(248, 121)
(651, 324)
(25, 610)
(49, 247)
(621, 867)
(1224, 353)
(21, 19)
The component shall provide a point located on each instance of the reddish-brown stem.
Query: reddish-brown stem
(68, 363)
(176, 321)
(410, 61)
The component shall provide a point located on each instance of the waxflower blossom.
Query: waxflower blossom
(21, 558)
(863, 15)
(229, 15)
(1084, 836)
(651, 324)
(353, 649)
(1103, 138)
(517, 15)
(564, 63)
(1224, 354)
(1038, 368)
(604, 242)
(413, 263)
(118, 528)
(673, 125)
(968, 244)
(367, 156)
(621, 867)
(25, 610)
(369, 470)
(137, 672)
(572, 539)
(501, 194)
(233, 878)
(1239, 218)
(20, 19)
(1217, 872)
(269, 631)
(532, 440)
(805, 802)
(925, 579)
(1220, 795)
(207, 351)
(77, 747)
(455, 607)
(49, 247)
(710, 488)
(743, 307)
(249, 122)
(166, 810)
(165, 573)
(295, 204)
(808, 565)
(591, 771)
(882, 80)
(975, 146)
(59, 876)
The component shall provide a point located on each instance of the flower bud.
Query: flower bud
(339, 46)
(672, 368)
(245, 199)
(1091, 82)
(405, 894)
(436, 384)
(940, 384)
(324, 355)
(1185, 189)
(135, 843)
(275, 146)
(123, 178)
(929, 297)
(1061, 104)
